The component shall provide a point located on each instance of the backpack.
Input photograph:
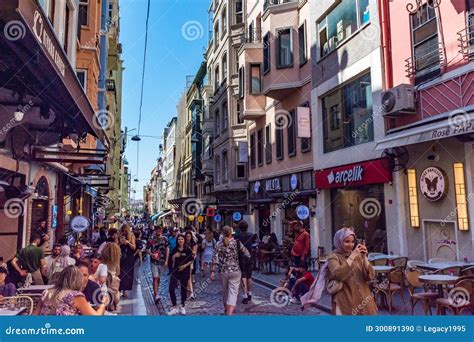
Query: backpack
(244, 260)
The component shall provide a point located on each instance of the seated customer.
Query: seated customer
(302, 284)
(6, 289)
(90, 288)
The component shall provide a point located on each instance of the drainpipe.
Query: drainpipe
(384, 17)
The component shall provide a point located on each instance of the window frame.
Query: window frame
(82, 4)
(224, 22)
(241, 13)
(238, 111)
(308, 140)
(252, 151)
(217, 122)
(278, 33)
(218, 171)
(304, 49)
(225, 67)
(268, 144)
(83, 71)
(251, 67)
(267, 66)
(241, 82)
(225, 167)
(217, 74)
(279, 143)
(291, 127)
(260, 147)
(225, 117)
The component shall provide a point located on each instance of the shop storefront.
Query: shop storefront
(356, 194)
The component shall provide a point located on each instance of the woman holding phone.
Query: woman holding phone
(348, 271)
(182, 258)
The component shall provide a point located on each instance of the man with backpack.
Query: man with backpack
(248, 240)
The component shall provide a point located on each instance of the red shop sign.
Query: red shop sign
(369, 172)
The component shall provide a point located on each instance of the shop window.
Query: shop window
(426, 52)
(255, 79)
(268, 144)
(347, 115)
(284, 49)
(350, 207)
(260, 147)
(266, 53)
(252, 150)
(341, 23)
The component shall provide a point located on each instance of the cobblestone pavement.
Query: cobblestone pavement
(208, 301)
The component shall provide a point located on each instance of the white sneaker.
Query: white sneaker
(173, 311)
(182, 310)
(294, 301)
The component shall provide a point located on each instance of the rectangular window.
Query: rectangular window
(255, 79)
(82, 76)
(252, 150)
(216, 79)
(83, 12)
(240, 170)
(224, 67)
(218, 123)
(302, 44)
(284, 49)
(260, 147)
(66, 29)
(266, 53)
(341, 23)
(347, 115)
(279, 142)
(426, 53)
(306, 142)
(291, 134)
(51, 10)
(218, 170)
(238, 12)
(225, 117)
(216, 35)
(268, 144)
(240, 119)
(241, 82)
(224, 22)
(225, 167)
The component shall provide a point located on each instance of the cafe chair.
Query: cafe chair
(281, 260)
(436, 260)
(467, 271)
(411, 264)
(425, 297)
(457, 304)
(400, 263)
(395, 281)
(17, 302)
(450, 270)
(263, 260)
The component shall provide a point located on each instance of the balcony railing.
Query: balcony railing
(269, 3)
(466, 40)
(252, 36)
(427, 65)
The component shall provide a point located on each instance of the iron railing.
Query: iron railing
(466, 40)
(252, 36)
(426, 63)
(269, 3)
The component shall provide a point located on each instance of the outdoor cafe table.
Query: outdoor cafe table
(439, 280)
(440, 265)
(382, 269)
(11, 312)
(34, 289)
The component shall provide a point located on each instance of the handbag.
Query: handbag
(244, 261)
(333, 286)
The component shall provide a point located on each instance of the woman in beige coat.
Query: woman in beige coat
(349, 266)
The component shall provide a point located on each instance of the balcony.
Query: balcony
(466, 41)
(427, 65)
(252, 36)
(271, 3)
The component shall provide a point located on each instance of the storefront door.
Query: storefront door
(441, 241)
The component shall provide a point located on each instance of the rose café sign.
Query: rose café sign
(45, 39)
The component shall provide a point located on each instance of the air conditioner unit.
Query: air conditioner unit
(399, 100)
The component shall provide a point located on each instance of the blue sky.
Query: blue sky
(177, 37)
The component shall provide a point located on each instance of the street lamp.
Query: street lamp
(136, 138)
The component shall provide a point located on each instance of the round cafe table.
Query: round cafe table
(382, 269)
(439, 280)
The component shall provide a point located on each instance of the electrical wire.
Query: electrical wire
(143, 67)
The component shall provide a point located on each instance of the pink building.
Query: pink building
(428, 107)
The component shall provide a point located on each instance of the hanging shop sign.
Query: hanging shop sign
(243, 152)
(273, 184)
(257, 187)
(433, 183)
(369, 172)
(237, 216)
(79, 224)
(54, 217)
(294, 182)
(304, 122)
(201, 219)
(210, 212)
(218, 218)
(302, 212)
(191, 217)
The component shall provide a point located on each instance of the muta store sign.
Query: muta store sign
(45, 39)
(433, 183)
(273, 184)
(370, 172)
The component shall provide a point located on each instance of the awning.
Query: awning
(169, 212)
(451, 124)
(32, 55)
